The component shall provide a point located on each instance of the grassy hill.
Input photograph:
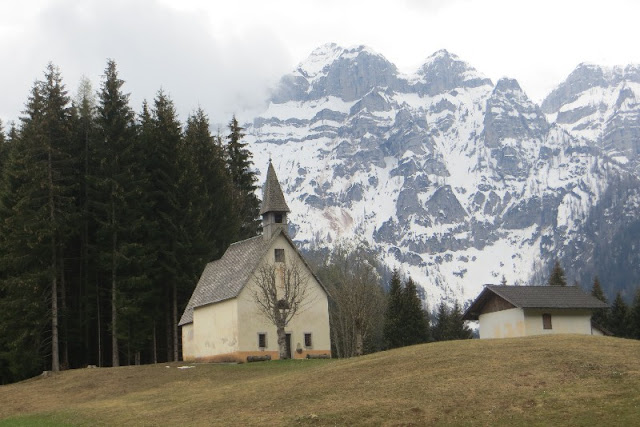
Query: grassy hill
(559, 380)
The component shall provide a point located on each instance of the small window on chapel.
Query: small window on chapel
(546, 321)
(262, 340)
(279, 253)
(307, 340)
(278, 218)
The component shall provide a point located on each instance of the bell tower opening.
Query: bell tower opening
(274, 208)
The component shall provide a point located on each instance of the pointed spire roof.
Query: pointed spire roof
(272, 198)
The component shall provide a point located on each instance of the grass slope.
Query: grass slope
(559, 380)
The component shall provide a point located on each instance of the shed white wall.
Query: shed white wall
(562, 322)
(516, 322)
(313, 319)
(502, 324)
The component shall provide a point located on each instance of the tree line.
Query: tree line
(106, 219)
(621, 319)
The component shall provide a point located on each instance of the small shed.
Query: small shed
(517, 311)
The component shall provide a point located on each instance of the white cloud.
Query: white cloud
(154, 46)
(223, 56)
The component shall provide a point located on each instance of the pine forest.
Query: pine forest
(107, 217)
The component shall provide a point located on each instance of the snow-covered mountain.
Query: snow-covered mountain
(450, 177)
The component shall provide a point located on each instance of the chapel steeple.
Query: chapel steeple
(274, 208)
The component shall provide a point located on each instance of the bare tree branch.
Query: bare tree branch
(281, 293)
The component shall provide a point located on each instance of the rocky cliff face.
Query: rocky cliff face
(601, 105)
(453, 179)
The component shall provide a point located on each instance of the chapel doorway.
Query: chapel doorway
(288, 344)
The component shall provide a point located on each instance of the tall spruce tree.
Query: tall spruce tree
(84, 310)
(393, 328)
(167, 134)
(205, 195)
(601, 315)
(4, 148)
(149, 228)
(23, 312)
(414, 325)
(557, 277)
(116, 132)
(244, 181)
(37, 214)
(442, 326)
(458, 330)
(427, 322)
(634, 317)
(619, 317)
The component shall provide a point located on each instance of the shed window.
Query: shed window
(262, 340)
(546, 321)
(307, 340)
(278, 218)
(279, 253)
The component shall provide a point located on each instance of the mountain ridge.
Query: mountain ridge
(451, 178)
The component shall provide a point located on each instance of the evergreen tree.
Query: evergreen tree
(393, 328)
(244, 181)
(3, 147)
(634, 317)
(600, 316)
(442, 327)
(205, 194)
(413, 324)
(116, 132)
(166, 213)
(83, 311)
(458, 330)
(151, 236)
(427, 323)
(619, 317)
(37, 216)
(557, 277)
(503, 282)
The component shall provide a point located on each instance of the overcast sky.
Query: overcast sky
(224, 55)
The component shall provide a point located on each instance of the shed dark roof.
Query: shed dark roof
(225, 278)
(273, 199)
(552, 297)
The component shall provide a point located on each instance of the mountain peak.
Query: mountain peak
(441, 57)
(324, 56)
(506, 84)
(585, 76)
(443, 71)
(442, 54)
(319, 58)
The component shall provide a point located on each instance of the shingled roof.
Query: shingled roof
(273, 199)
(543, 297)
(225, 278)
